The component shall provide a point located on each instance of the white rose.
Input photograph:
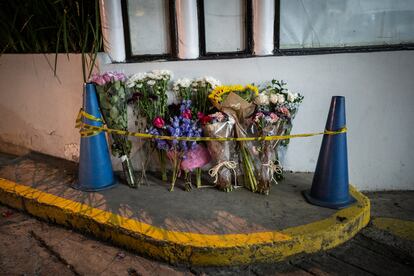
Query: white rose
(262, 99)
(281, 98)
(274, 98)
(291, 97)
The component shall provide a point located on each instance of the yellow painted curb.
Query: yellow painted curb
(401, 228)
(190, 248)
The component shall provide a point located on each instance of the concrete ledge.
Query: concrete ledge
(190, 248)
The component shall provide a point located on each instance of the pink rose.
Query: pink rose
(273, 117)
(284, 111)
(258, 116)
(158, 122)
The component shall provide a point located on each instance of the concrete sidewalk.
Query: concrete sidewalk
(29, 246)
(203, 227)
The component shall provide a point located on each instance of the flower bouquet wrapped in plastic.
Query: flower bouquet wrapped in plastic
(274, 116)
(236, 101)
(266, 124)
(113, 104)
(220, 125)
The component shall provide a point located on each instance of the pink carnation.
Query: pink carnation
(98, 79)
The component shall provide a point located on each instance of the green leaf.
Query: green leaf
(114, 99)
(114, 112)
(117, 85)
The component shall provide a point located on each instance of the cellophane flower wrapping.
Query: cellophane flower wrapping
(113, 95)
(221, 151)
(239, 107)
(265, 153)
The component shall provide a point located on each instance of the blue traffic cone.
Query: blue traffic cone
(95, 167)
(330, 185)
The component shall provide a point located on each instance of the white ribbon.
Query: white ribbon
(273, 167)
(231, 165)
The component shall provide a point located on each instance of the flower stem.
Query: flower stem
(198, 177)
(161, 155)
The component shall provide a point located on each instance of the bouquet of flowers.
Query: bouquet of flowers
(113, 104)
(197, 92)
(276, 108)
(220, 125)
(150, 101)
(237, 102)
(265, 152)
(281, 100)
(180, 151)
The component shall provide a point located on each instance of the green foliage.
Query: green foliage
(46, 26)
(113, 104)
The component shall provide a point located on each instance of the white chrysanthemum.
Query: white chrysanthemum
(151, 75)
(262, 99)
(132, 80)
(212, 81)
(183, 83)
(172, 98)
(151, 82)
(166, 74)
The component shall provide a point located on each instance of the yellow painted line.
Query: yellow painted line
(398, 227)
(101, 216)
(184, 247)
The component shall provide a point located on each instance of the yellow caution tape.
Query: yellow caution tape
(87, 130)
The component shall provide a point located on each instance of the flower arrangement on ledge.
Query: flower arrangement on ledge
(203, 107)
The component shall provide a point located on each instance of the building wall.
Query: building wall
(38, 110)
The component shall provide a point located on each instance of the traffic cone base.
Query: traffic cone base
(327, 204)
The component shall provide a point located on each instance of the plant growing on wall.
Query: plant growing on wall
(45, 26)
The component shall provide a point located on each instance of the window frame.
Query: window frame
(130, 57)
(248, 28)
(329, 50)
(248, 52)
